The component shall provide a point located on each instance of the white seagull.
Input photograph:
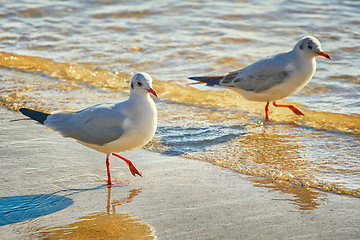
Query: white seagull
(274, 77)
(109, 127)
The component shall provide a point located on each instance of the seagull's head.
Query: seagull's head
(141, 83)
(310, 46)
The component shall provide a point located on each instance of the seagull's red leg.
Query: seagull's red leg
(108, 170)
(267, 111)
(291, 107)
(132, 168)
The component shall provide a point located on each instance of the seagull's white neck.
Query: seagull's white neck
(143, 100)
(135, 96)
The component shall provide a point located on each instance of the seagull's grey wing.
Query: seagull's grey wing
(98, 125)
(259, 76)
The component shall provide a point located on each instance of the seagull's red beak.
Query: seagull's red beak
(324, 55)
(150, 90)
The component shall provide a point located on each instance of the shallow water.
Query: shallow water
(69, 55)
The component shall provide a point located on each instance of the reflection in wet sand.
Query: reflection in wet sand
(104, 225)
(306, 198)
(112, 204)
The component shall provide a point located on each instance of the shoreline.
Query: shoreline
(177, 198)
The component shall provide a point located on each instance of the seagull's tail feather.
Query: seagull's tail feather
(35, 115)
(209, 80)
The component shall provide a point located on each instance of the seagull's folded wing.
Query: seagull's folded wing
(259, 76)
(99, 124)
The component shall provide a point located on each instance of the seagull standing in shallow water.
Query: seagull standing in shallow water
(109, 127)
(275, 77)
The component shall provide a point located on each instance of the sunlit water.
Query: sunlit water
(69, 55)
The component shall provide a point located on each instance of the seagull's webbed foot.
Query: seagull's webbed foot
(291, 107)
(132, 168)
(296, 110)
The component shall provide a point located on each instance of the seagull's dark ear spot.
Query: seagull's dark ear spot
(132, 85)
(302, 46)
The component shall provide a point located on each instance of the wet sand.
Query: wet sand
(176, 198)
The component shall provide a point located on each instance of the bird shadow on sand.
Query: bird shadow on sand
(15, 209)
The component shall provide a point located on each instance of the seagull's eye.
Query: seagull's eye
(139, 84)
(309, 47)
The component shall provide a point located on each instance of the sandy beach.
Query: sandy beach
(215, 168)
(54, 188)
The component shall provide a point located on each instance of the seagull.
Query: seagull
(109, 127)
(274, 77)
